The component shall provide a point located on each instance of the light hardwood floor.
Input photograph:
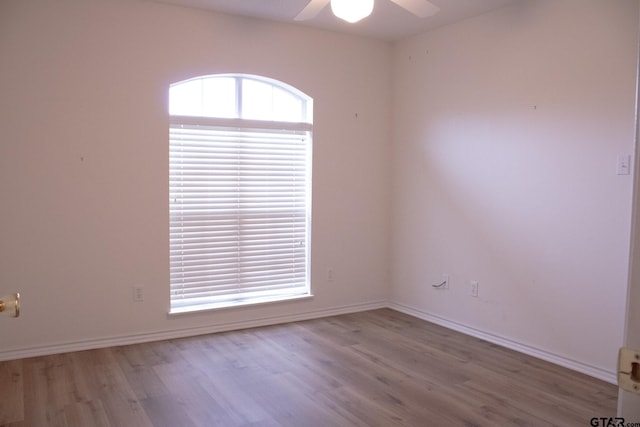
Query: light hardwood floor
(376, 368)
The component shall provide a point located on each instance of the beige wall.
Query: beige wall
(84, 162)
(507, 131)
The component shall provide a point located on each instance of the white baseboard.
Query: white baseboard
(274, 320)
(91, 344)
(574, 365)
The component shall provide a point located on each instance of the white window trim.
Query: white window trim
(241, 123)
(250, 126)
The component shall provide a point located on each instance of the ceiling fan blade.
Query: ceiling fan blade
(420, 8)
(311, 10)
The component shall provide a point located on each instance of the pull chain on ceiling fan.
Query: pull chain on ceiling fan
(355, 10)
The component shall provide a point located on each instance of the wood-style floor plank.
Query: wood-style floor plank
(11, 392)
(376, 368)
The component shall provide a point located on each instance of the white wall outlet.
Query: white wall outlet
(138, 293)
(443, 283)
(330, 274)
(445, 280)
(473, 288)
(624, 164)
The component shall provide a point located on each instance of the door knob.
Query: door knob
(10, 304)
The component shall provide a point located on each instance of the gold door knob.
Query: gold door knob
(10, 304)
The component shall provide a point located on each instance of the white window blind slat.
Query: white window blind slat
(239, 214)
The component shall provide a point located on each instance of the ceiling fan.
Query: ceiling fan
(342, 8)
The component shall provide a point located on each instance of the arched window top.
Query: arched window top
(239, 96)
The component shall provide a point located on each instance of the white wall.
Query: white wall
(84, 163)
(507, 128)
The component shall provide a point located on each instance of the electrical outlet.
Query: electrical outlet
(329, 274)
(138, 293)
(443, 283)
(624, 164)
(445, 280)
(473, 288)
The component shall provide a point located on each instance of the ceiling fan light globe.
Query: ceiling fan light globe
(352, 10)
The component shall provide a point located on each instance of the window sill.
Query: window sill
(230, 305)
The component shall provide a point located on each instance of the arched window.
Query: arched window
(240, 194)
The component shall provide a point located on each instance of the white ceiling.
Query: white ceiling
(387, 22)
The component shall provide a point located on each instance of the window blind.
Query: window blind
(239, 215)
